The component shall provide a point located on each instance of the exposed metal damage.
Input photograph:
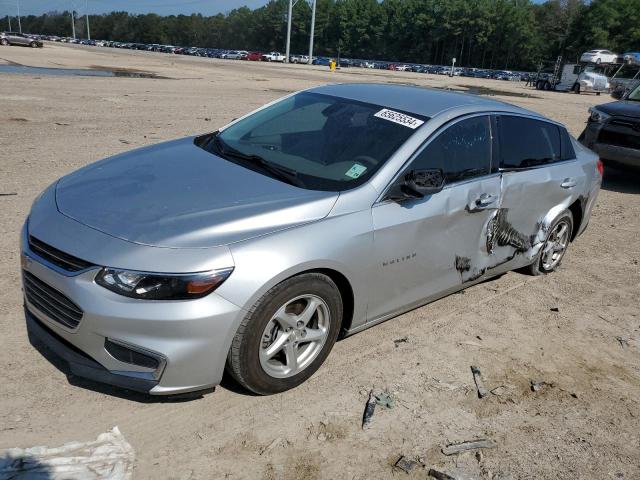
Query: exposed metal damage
(503, 243)
(463, 264)
(500, 232)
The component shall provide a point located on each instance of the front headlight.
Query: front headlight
(597, 116)
(160, 286)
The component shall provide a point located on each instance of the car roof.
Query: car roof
(427, 102)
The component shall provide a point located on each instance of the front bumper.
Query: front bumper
(79, 363)
(620, 155)
(192, 337)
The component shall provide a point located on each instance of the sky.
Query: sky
(161, 7)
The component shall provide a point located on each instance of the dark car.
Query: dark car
(613, 130)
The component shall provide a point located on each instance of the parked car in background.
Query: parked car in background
(321, 61)
(299, 59)
(613, 130)
(599, 56)
(237, 55)
(15, 38)
(254, 56)
(326, 212)
(273, 57)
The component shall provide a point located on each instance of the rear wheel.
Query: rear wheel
(287, 334)
(555, 245)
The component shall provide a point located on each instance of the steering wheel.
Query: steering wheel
(370, 162)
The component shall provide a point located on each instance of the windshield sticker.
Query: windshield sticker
(355, 171)
(400, 118)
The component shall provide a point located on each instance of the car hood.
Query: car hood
(178, 195)
(626, 108)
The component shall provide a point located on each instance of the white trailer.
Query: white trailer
(574, 77)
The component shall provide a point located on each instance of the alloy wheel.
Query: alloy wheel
(294, 336)
(556, 245)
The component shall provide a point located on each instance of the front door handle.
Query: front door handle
(485, 200)
(568, 183)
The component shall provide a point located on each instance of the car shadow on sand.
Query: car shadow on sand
(621, 181)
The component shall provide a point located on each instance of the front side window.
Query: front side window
(462, 151)
(325, 142)
(526, 143)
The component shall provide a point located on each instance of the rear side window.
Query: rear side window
(566, 147)
(462, 151)
(525, 142)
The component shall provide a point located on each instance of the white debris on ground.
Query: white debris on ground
(109, 457)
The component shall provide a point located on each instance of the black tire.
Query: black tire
(537, 267)
(243, 361)
(547, 85)
(4, 42)
(33, 45)
(576, 88)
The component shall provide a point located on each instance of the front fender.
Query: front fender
(343, 243)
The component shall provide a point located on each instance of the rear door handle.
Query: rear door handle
(568, 183)
(485, 200)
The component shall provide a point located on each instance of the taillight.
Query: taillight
(600, 167)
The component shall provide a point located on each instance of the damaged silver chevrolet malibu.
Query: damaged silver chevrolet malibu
(252, 248)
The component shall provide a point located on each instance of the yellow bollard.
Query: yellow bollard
(332, 65)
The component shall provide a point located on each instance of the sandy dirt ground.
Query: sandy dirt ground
(586, 425)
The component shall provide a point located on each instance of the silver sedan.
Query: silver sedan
(254, 247)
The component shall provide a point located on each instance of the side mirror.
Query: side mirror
(418, 184)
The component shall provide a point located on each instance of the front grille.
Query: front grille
(620, 138)
(53, 255)
(51, 302)
(600, 83)
(625, 123)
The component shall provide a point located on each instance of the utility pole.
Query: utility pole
(313, 27)
(73, 24)
(286, 59)
(86, 3)
(9, 18)
(19, 24)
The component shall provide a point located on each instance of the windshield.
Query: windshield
(635, 94)
(317, 141)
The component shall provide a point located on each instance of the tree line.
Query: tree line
(501, 34)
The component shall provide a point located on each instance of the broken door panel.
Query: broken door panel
(426, 246)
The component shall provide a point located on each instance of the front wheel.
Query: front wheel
(4, 42)
(555, 245)
(287, 334)
(33, 45)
